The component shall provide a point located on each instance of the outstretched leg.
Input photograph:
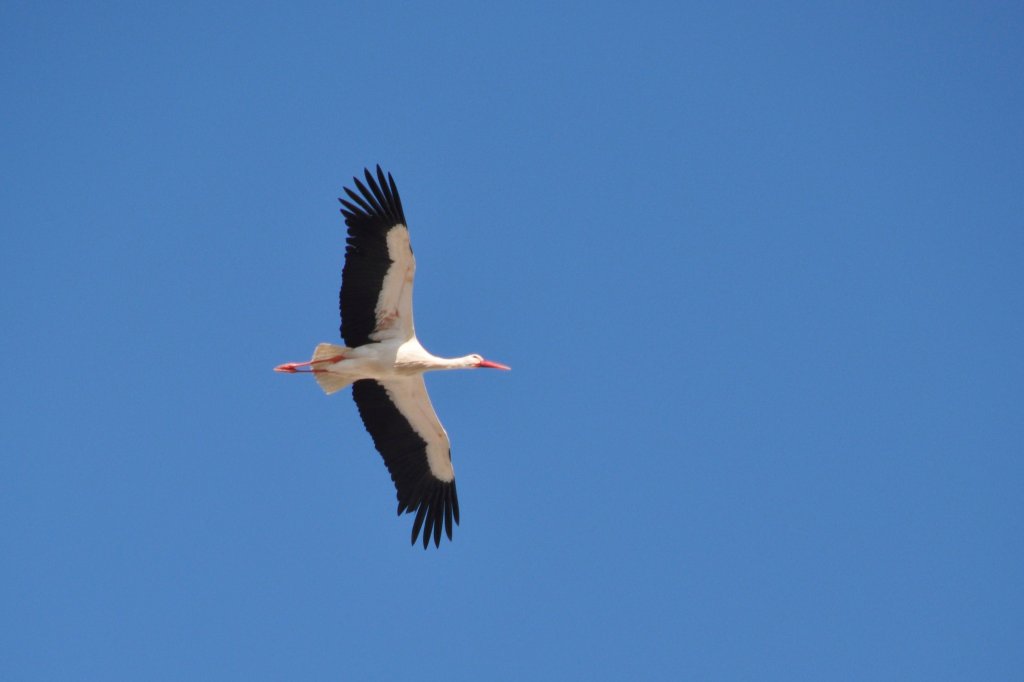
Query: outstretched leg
(325, 354)
(293, 367)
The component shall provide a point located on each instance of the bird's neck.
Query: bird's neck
(464, 362)
(419, 360)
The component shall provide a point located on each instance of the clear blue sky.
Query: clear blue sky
(758, 268)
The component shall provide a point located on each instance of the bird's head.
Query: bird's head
(478, 361)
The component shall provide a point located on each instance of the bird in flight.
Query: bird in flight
(384, 361)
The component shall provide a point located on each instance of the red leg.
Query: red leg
(293, 367)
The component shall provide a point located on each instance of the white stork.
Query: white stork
(384, 361)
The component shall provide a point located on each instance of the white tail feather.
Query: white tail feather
(326, 370)
(327, 351)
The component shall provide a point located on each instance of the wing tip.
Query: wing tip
(435, 509)
(378, 199)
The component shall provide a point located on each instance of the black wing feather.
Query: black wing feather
(375, 188)
(370, 216)
(359, 200)
(368, 195)
(435, 502)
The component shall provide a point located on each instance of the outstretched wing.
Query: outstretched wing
(376, 282)
(415, 448)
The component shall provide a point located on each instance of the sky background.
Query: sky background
(758, 269)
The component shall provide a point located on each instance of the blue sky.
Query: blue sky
(758, 271)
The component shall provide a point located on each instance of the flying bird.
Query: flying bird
(384, 361)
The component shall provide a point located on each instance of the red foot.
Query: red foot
(290, 368)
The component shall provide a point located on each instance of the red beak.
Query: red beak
(493, 365)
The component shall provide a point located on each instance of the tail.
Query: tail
(326, 372)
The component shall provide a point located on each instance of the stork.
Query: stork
(384, 361)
